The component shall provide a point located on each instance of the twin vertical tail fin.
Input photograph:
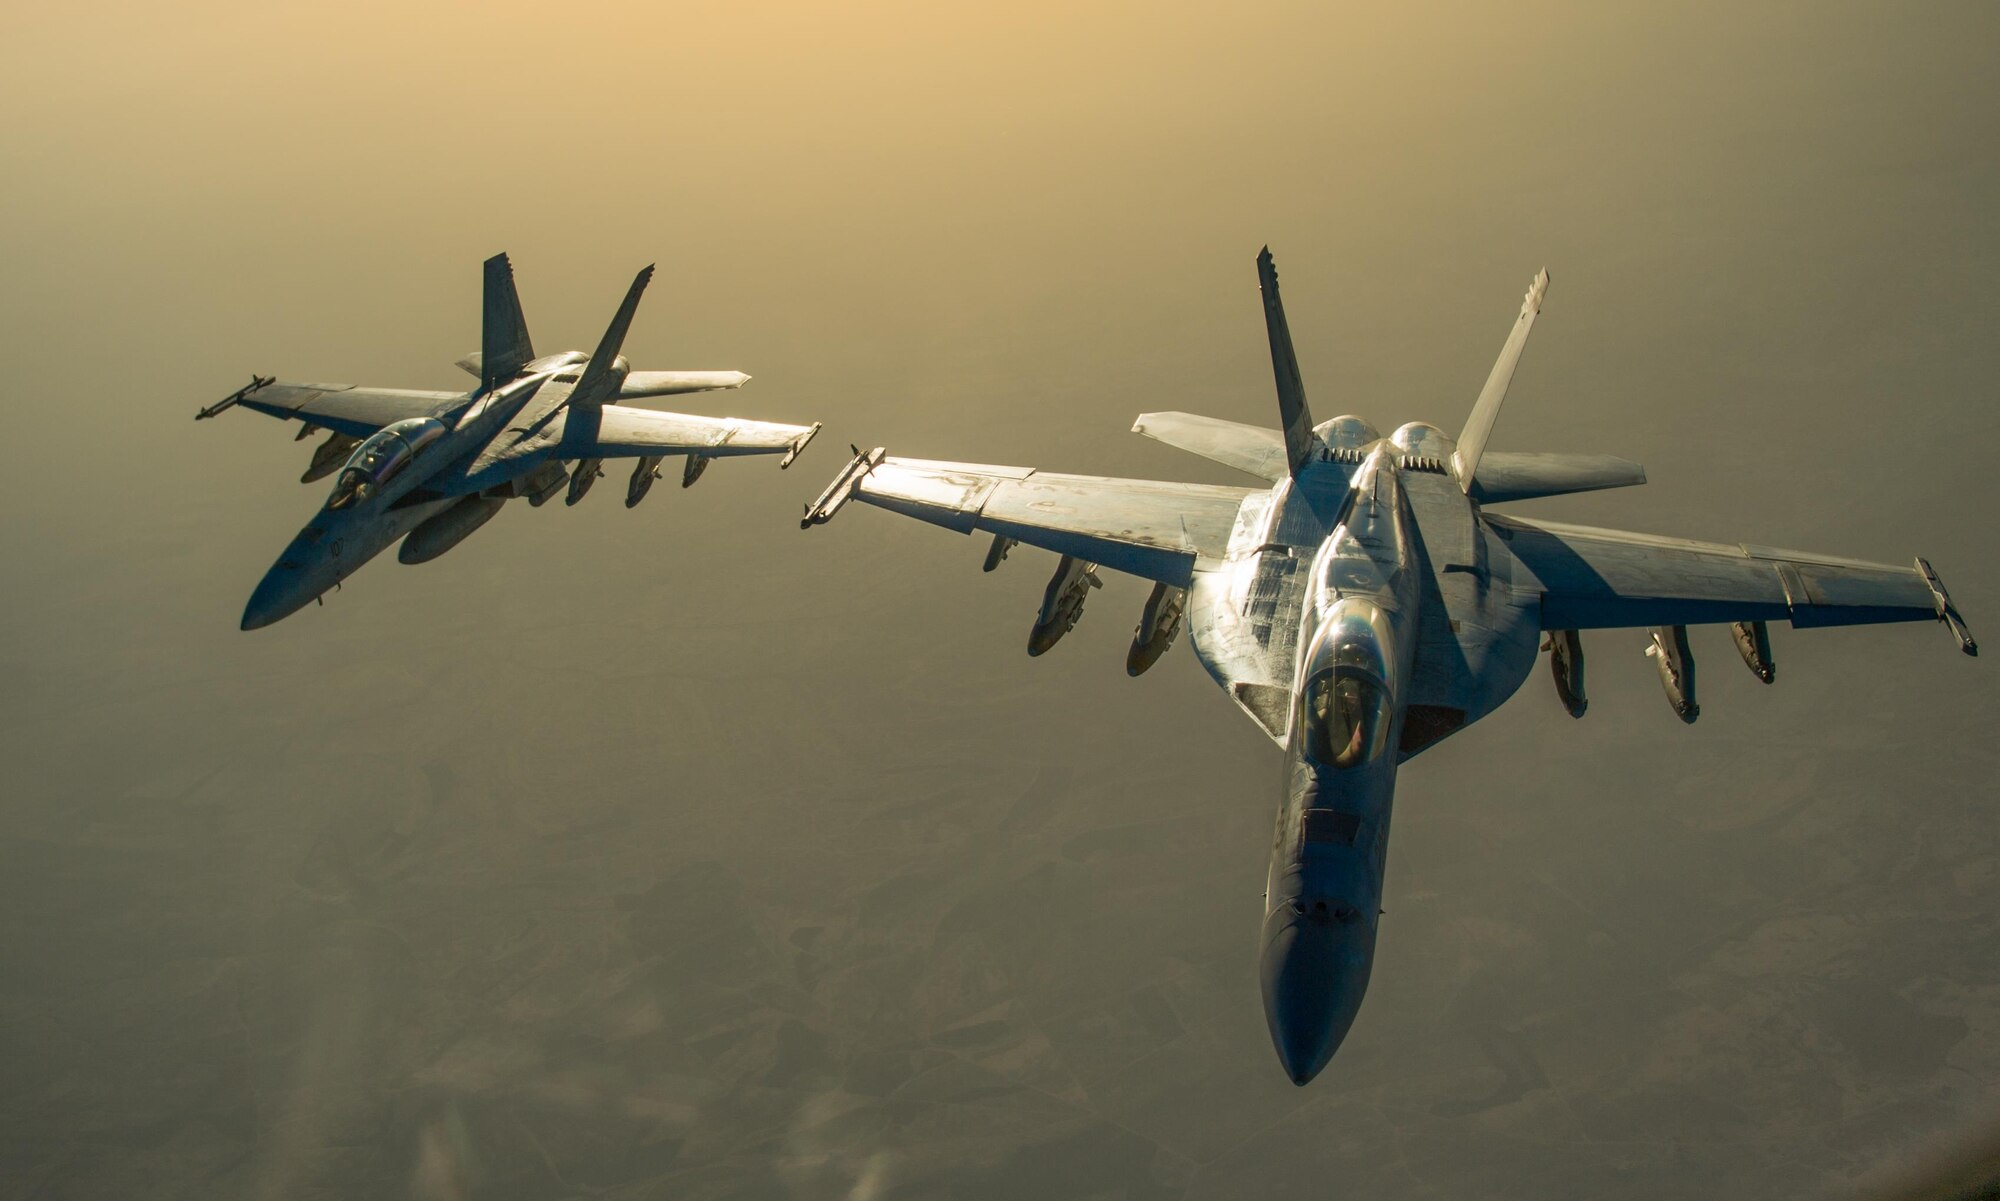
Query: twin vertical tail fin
(504, 346)
(1486, 410)
(1300, 443)
(595, 385)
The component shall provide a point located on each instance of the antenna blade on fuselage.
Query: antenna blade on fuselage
(504, 346)
(1296, 417)
(1486, 410)
(591, 385)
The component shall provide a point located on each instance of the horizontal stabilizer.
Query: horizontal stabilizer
(473, 365)
(1247, 448)
(1516, 475)
(641, 384)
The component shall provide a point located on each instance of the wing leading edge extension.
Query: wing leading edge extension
(1153, 529)
(1596, 578)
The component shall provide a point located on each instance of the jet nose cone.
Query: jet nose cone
(260, 612)
(1314, 975)
(278, 596)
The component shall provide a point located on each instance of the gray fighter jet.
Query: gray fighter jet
(1368, 604)
(438, 465)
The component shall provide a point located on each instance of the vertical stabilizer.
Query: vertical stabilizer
(504, 347)
(596, 384)
(1486, 410)
(1296, 417)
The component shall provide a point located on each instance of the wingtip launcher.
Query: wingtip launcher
(842, 488)
(1946, 611)
(230, 401)
(798, 445)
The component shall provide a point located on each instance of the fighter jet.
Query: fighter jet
(438, 465)
(1368, 603)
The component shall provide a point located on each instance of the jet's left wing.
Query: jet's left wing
(343, 408)
(1596, 578)
(615, 431)
(1153, 529)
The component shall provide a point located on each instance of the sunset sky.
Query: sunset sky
(674, 852)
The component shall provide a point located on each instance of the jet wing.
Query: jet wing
(344, 408)
(1148, 528)
(615, 431)
(1595, 578)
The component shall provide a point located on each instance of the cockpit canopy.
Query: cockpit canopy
(382, 457)
(1347, 718)
(1348, 707)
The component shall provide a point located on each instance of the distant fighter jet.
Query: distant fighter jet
(1368, 604)
(438, 465)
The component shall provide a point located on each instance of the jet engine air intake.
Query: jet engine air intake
(329, 455)
(998, 551)
(691, 471)
(545, 481)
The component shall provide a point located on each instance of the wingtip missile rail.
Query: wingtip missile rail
(798, 446)
(230, 401)
(842, 488)
(1946, 611)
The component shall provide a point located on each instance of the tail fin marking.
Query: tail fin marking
(504, 346)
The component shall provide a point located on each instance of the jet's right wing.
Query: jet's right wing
(343, 408)
(1152, 529)
(1596, 578)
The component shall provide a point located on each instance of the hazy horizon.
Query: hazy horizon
(678, 853)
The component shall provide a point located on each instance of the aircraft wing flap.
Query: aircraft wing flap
(1155, 530)
(1596, 578)
(356, 412)
(615, 431)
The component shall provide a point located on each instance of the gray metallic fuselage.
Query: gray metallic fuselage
(494, 438)
(1341, 565)
(430, 468)
(1364, 607)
